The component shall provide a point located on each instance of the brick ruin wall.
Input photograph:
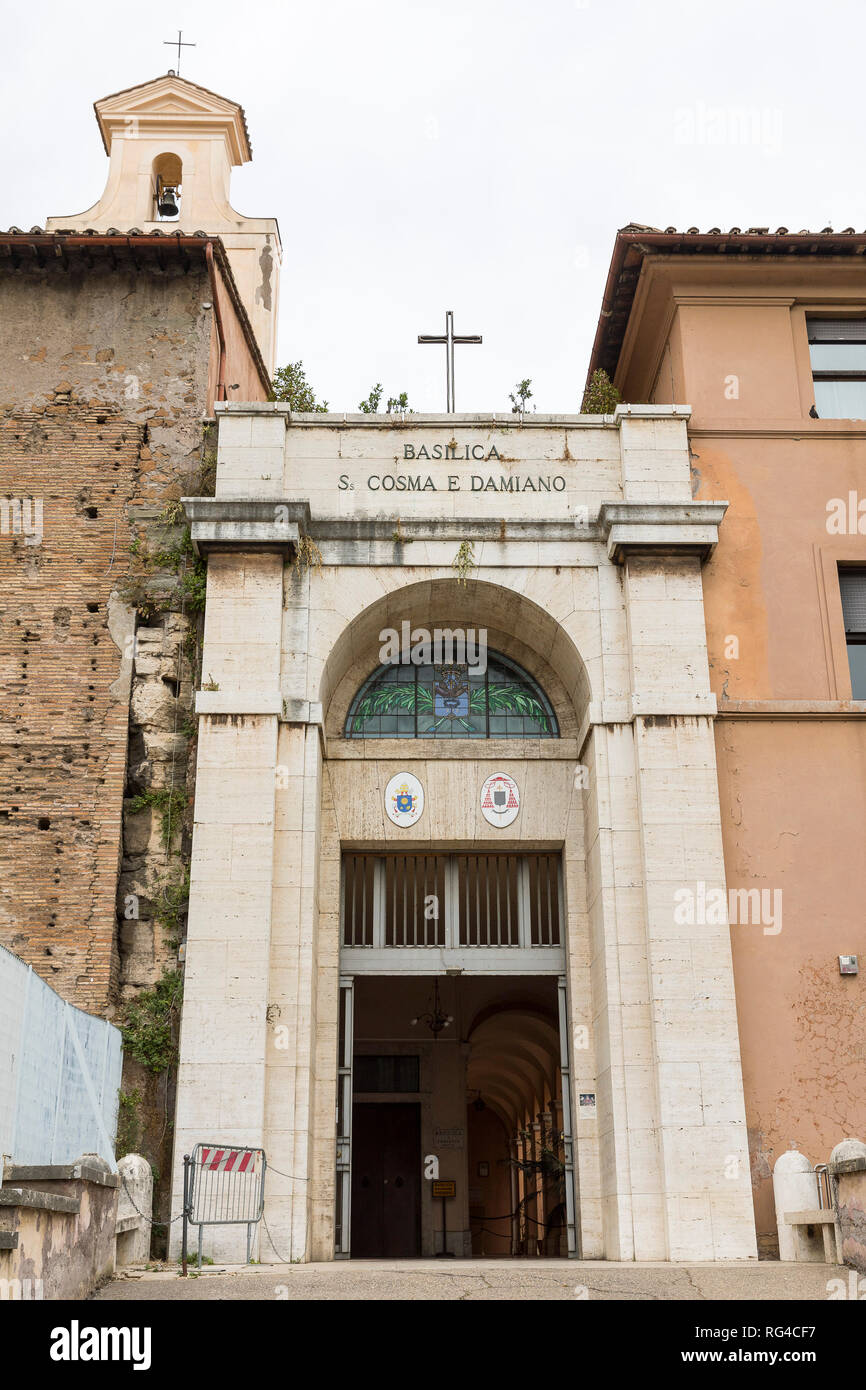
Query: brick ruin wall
(64, 721)
(103, 388)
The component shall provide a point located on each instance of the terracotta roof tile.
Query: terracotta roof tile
(636, 241)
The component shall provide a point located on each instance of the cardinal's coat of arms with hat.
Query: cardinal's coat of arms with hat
(500, 799)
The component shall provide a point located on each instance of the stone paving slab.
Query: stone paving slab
(480, 1280)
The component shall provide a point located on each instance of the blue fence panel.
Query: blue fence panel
(59, 1073)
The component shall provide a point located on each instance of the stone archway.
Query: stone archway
(354, 774)
(515, 625)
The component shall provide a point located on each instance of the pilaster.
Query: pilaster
(223, 1044)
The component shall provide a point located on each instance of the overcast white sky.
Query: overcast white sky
(475, 155)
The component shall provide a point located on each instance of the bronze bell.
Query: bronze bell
(166, 202)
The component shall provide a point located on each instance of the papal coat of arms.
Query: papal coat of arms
(404, 798)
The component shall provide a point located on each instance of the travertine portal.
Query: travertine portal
(585, 552)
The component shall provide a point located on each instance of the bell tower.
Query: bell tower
(172, 146)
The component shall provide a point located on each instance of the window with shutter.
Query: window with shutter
(852, 586)
(837, 348)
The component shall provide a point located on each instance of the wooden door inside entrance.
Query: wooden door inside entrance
(386, 1180)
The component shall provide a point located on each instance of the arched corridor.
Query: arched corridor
(514, 1080)
(465, 1069)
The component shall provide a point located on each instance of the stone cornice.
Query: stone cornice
(644, 527)
(238, 702)
(800, 430)
(243, 523)
(40, 1201)
(448, 528)
(346, 419)
(606, 713)
(792, 709)
(170, 105)
(81, 1170)
(239, 523)
(340, 749)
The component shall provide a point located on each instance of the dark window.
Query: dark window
(852, 584)
(837, 348)
(451, 701)
(385, 1074)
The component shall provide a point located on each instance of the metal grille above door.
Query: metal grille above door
(474, 911)
(414, 889)
(488, 899)
(357, 899)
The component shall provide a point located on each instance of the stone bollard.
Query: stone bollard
(795, 1189)
(848, 1169)
(134, 1210)
(848, 1149)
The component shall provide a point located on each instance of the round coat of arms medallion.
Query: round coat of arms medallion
(500, 799)
(404, 799)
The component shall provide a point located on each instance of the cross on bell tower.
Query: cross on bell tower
(178, 44)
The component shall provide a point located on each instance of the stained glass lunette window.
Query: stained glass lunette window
(452, 700)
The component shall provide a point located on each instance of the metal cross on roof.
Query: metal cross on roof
(449, 339)
(178, 44)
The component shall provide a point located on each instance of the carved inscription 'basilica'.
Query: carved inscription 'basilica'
(450, 451)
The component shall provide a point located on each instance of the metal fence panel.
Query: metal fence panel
(60, 1073)
(227, 1185)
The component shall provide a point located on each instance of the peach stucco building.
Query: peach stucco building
(764, 334)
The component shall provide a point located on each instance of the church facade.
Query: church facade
(613, 1006)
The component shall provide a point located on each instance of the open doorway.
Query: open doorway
(454, 1092)
(386, 1180)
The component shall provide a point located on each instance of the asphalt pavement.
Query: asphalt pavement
(478, 1280)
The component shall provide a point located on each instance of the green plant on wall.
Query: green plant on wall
(169, 805)
(521, 396)
(179, 558)
(134, 588)
(149, 1022)
(135, 592)
(601, 397)
(308, 555)
(172, 513)
(189, 727)
(193, 586)
(182, 559)
(170, 904)
(203, 482)
(395, 405)
(464, 561)
(129, 1122)
(290, 385)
